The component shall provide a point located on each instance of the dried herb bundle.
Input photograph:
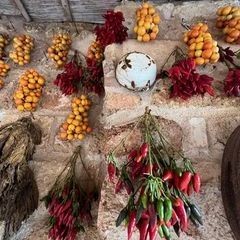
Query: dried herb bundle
(18, 189)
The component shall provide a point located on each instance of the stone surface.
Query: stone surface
(219, 130)
(115, 101)
(197, 138)
(199, 126)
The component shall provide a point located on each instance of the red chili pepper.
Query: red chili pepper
(185, 190)
(167, 175)
(176, 180)
(153, 228)
(143, 228)
(119, 186)
(111, 171)
(131, 223)
(136, 169)
(152, 212)
(174, 218)
(144, 149)
(177, 202)
(182, 215)
(189, 189)
(196, 182)
(128, 189)
(155, 167)
(185, 180)
(138, 158)
(66, 206)
(147, 169)
(145, 215)
(132, 154)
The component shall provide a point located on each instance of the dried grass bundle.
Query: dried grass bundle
(18, 188)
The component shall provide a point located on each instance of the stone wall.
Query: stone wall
(200, 126)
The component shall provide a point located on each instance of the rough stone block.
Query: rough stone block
(120, 100)
(219, 130)
(54, 100)
(196, 142)
(198, 132)
(109, 69)
(113, 136)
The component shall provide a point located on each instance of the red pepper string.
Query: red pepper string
(157, 185)
(186, 82)
(69, 206)
(232, 80)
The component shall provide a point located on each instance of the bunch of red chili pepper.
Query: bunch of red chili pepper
(80, 73)
(69, 206)
(158, 180)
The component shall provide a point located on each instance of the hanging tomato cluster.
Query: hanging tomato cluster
(4, 68)
(201, 45)
(147, 23)
(95, 51)
(23, 46)
(69, 206)
(76, 125)
(229, 20)
(4, 41)
(58, 52)
(158, 180)
(29, 91)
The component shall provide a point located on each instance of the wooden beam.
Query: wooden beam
(22, 9)
(67, 10)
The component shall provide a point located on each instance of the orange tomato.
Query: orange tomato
(146, 37)
(207, 53)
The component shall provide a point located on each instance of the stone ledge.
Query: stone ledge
(178, 114)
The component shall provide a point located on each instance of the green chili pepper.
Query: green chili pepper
(166, 232)
(178, 171)
(188, 210)
(160, 232)
(144, 200)
(168, 210)
(194, 221)
(160, 209)
(196, 213)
